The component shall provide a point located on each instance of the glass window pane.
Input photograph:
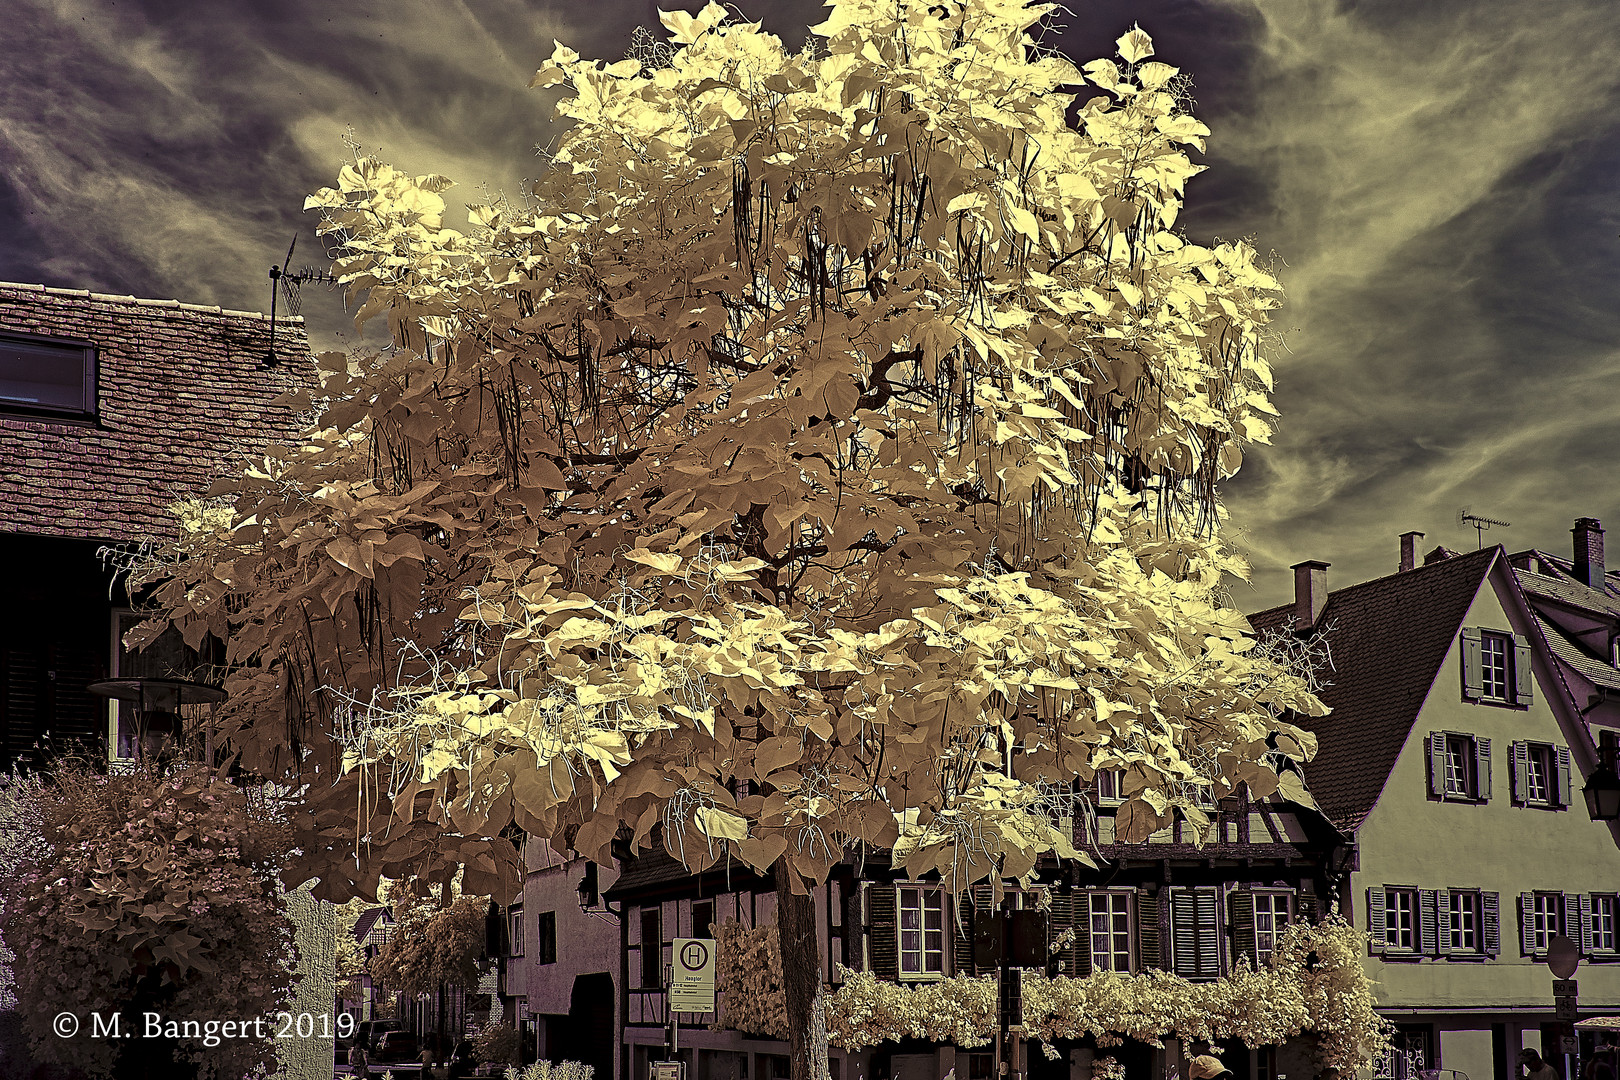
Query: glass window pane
(44, 375)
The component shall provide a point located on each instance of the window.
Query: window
(514, 917)
(1496, 667)
(1601, 924)
(1195, 942)
(545, 938)
(1541, 916)
(922, 932)
(1271, 912)
(1110, 786)
(1494, 650)
(1111, 929)
(1459, 766)
(1463, 931)
(1541, 775)
(1392, 918)
(47, 377)
(652, 950)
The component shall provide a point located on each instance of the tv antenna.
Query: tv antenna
(1480, 524)
(292, 285)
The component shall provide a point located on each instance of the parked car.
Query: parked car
(397, 1048)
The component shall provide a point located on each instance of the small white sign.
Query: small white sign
(691, 981)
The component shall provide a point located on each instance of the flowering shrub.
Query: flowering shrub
(545, 1070)
(149, 892)
(1329, 996)
(867, 1010)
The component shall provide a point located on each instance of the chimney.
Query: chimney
(1409, 542)
(1589, 551)
(1310, 593)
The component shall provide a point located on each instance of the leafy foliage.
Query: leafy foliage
(846, 424)
(151, 892)
(546, 1070)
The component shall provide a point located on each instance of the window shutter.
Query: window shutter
(1080, 951)
(854, 927)
(1241, 904)
(1520, 756)
(882, 942)
(962, 934)
(1442, 919)
(1527, 924)
(1482, 767)
(1524, 681)
(1437, 763)
(1307, 907)
(1562, 796)
(1147, 930)
(1583, 912)
(1059, 917)
(1183, 934)
(1491, 908)
(1428, 923)
(1209, 931)
(1473, 678)
(1375, 918)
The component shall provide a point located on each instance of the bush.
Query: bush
(545, 1070)
(497, 1042)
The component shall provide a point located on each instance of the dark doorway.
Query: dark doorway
(591, 1031)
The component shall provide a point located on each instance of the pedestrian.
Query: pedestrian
(1207, 1067)
(1602, 1064)
(1534, 1067)
(427, 1060)
(462, 1067)
(359, 1063)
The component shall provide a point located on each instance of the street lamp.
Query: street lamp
(1602, 790)
(155, 704)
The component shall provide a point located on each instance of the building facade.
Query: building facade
(111, 408)
(1454, 758)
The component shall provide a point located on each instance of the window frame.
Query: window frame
(1132, 954)
(652, 967)
(1115, 782)
(1589, 937)
(514, 930)
(1474, 899)
(1474, 754)
(1558, 779)
(927, 900)
(545, 937)
(1392, 894)
(1543, 925)
(1496, 643)
(90, 359)
(1290, 912)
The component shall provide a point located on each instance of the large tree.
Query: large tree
(823, 454)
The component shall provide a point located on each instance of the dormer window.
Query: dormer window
(47, 377)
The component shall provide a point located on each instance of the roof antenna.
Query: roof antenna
(291, 284)
(1480, 524)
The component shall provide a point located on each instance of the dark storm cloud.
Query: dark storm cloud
(1437, 181)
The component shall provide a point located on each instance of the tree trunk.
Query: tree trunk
(801, 978)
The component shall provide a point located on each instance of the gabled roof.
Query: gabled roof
(1568, 591)
(1388, 638)
(368, 922)
(1570, 652)
(180, 390)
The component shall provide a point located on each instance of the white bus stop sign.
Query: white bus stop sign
(691, 982)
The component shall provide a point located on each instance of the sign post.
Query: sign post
(1564, 957)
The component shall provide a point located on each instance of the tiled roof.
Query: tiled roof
(1388, 638)
(1567, 650)
(655, 871)
(1571, 592)
(181, 390)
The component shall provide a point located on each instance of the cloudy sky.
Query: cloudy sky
(1440, 182)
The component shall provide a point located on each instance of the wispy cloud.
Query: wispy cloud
(1422, 171)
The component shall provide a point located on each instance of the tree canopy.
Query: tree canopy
(824, 453)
